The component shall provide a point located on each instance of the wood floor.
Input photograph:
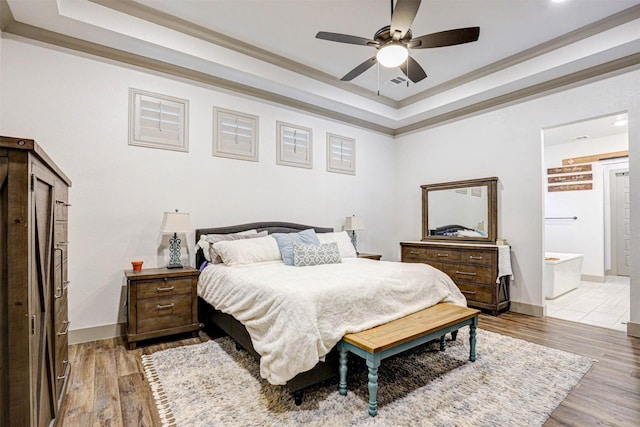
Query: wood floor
(107, 386)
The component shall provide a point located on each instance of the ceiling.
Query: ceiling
(268, 49)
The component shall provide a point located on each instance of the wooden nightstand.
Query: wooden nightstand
(160, 302)
(369, 256)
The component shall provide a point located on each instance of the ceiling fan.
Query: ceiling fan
(394, 41)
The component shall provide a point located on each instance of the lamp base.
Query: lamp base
(175, 266)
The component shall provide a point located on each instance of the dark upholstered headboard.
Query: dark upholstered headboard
(271, 227)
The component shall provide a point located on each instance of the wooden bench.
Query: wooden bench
(402, 334)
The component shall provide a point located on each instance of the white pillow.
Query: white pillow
(207, 240)
(248, 251)
(344, 242)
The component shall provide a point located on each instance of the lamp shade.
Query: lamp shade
(175, 222)
(353, 223)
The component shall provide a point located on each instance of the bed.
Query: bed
(317, 357)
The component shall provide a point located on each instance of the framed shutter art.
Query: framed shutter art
(341, 154)
(158, 121)
(235, 135)
(295, 145)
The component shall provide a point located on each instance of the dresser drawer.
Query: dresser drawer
(155, 314)
(470, 273)
(164, 287)
(410, 254)
(61, 233)
(476, 293)
(443, 254)
(478, 257)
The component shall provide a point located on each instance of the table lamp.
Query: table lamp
(175, 222)
(353, 223)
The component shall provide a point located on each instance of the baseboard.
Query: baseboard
(95, 333)
(528, 309)
(588, 278)
(633, 329)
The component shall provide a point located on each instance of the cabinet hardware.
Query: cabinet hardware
(65, 284)
(33, 324)
(475, 257)
(443, 255)
(169, 289)
(465, 273)
(164, 307)
(62, 377)
(469, 292)
(61, 288)
(414, 252)
(66, 329)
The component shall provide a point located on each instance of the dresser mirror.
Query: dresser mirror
(460, 211)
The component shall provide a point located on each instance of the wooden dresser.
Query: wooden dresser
(473, 267)
(34, 367)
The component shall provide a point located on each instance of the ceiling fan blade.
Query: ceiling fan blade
(446, 38)
(403, 16)
(345, 38)
(359, 69)
(415, 72)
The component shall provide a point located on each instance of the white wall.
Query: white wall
(77, 109)
(507, 143)
(586, 235)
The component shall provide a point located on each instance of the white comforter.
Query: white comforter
(295, 315)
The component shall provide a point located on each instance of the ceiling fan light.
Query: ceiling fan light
(392, 55)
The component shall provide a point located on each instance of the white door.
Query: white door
(621, 225)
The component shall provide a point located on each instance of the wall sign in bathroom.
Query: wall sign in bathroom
(569, 169)
(570, 187)
(570, 178)
(595, 157)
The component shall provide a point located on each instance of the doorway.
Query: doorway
(587, 217)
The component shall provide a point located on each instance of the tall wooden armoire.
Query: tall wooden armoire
(34, 367)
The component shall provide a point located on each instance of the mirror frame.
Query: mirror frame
(492, 209)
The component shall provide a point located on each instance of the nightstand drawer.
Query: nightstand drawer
(163, 313)
(164, 287)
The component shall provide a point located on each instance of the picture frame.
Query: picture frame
(235, 135)
(158, 121)
(294, 145)
(341, 154)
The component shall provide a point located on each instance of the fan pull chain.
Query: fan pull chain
(378, 68)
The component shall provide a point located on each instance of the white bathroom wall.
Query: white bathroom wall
(586, 235)
(77, 109)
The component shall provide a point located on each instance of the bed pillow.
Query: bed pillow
(306, 255)
(207, 241)
(285, 242)
(248, 251)
(342, 239)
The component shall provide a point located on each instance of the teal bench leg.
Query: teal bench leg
(472, 339)
(342, 368)
(443, 342)
(373, 363)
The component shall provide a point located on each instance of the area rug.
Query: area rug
(512, 383)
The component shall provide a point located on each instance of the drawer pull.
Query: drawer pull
(414, 252)
(62, 377)
(468, 292)
(164, 307)
(464, 273)
(66, 329)
(169, 289)
(443, 255)
(475, 256)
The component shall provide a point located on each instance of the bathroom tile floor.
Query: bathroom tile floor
(600, 304)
